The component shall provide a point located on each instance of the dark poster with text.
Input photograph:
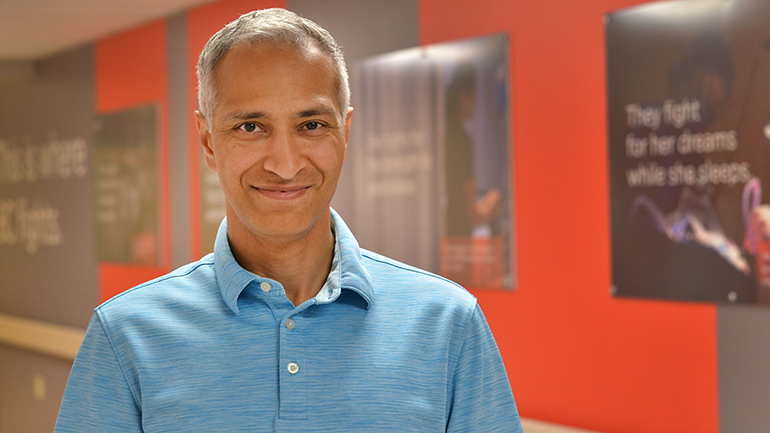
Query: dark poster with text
(689, 142)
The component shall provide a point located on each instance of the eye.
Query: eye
(312, 126)
(248, 127)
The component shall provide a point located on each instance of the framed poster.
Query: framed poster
(126, 191)
(430, 156)
(689, 146)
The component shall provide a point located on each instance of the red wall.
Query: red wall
(131, 70)
(576, 355)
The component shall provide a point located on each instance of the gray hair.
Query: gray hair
(273, 26)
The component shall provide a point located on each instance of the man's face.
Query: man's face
(276, 138)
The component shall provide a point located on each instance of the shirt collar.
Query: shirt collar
(352, 272)
(348, 271)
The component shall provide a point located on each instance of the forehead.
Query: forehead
(263, 72)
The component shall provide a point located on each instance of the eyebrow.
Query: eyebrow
(243, 115)
(315, 111)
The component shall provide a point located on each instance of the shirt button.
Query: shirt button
(290, 324)
(292, 367)
(265, 286)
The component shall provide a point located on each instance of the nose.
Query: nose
(284, 156)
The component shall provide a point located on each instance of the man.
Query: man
(288, 326)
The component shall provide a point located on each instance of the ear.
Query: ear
(347, 124)
(204, 138)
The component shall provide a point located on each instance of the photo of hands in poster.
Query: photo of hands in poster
(689, 119)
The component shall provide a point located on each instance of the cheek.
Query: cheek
(234, 161)
(329, 160)
(330, 155)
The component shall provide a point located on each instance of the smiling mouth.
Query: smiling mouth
(283, 193)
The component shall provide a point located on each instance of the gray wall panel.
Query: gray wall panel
(744, 375)
(179, 118)
(44, 107)
(366, 27)
(31, 388)
(47, 259)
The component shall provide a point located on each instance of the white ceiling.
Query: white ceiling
(34, 29)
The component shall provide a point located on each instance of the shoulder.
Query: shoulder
(175, 288)
(408, 282)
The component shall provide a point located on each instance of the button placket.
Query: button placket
(293, 402)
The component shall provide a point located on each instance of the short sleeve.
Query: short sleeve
(97, 397)
(480, 397)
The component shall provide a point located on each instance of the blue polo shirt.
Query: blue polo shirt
(212, 347)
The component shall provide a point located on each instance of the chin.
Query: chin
(286, 224)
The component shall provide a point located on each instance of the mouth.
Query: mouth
(283, 192)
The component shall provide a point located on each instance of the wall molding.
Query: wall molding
(37, 336)
(536, 426)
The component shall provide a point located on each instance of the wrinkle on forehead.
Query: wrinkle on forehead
(309, 51)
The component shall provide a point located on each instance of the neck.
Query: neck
(300, 263)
